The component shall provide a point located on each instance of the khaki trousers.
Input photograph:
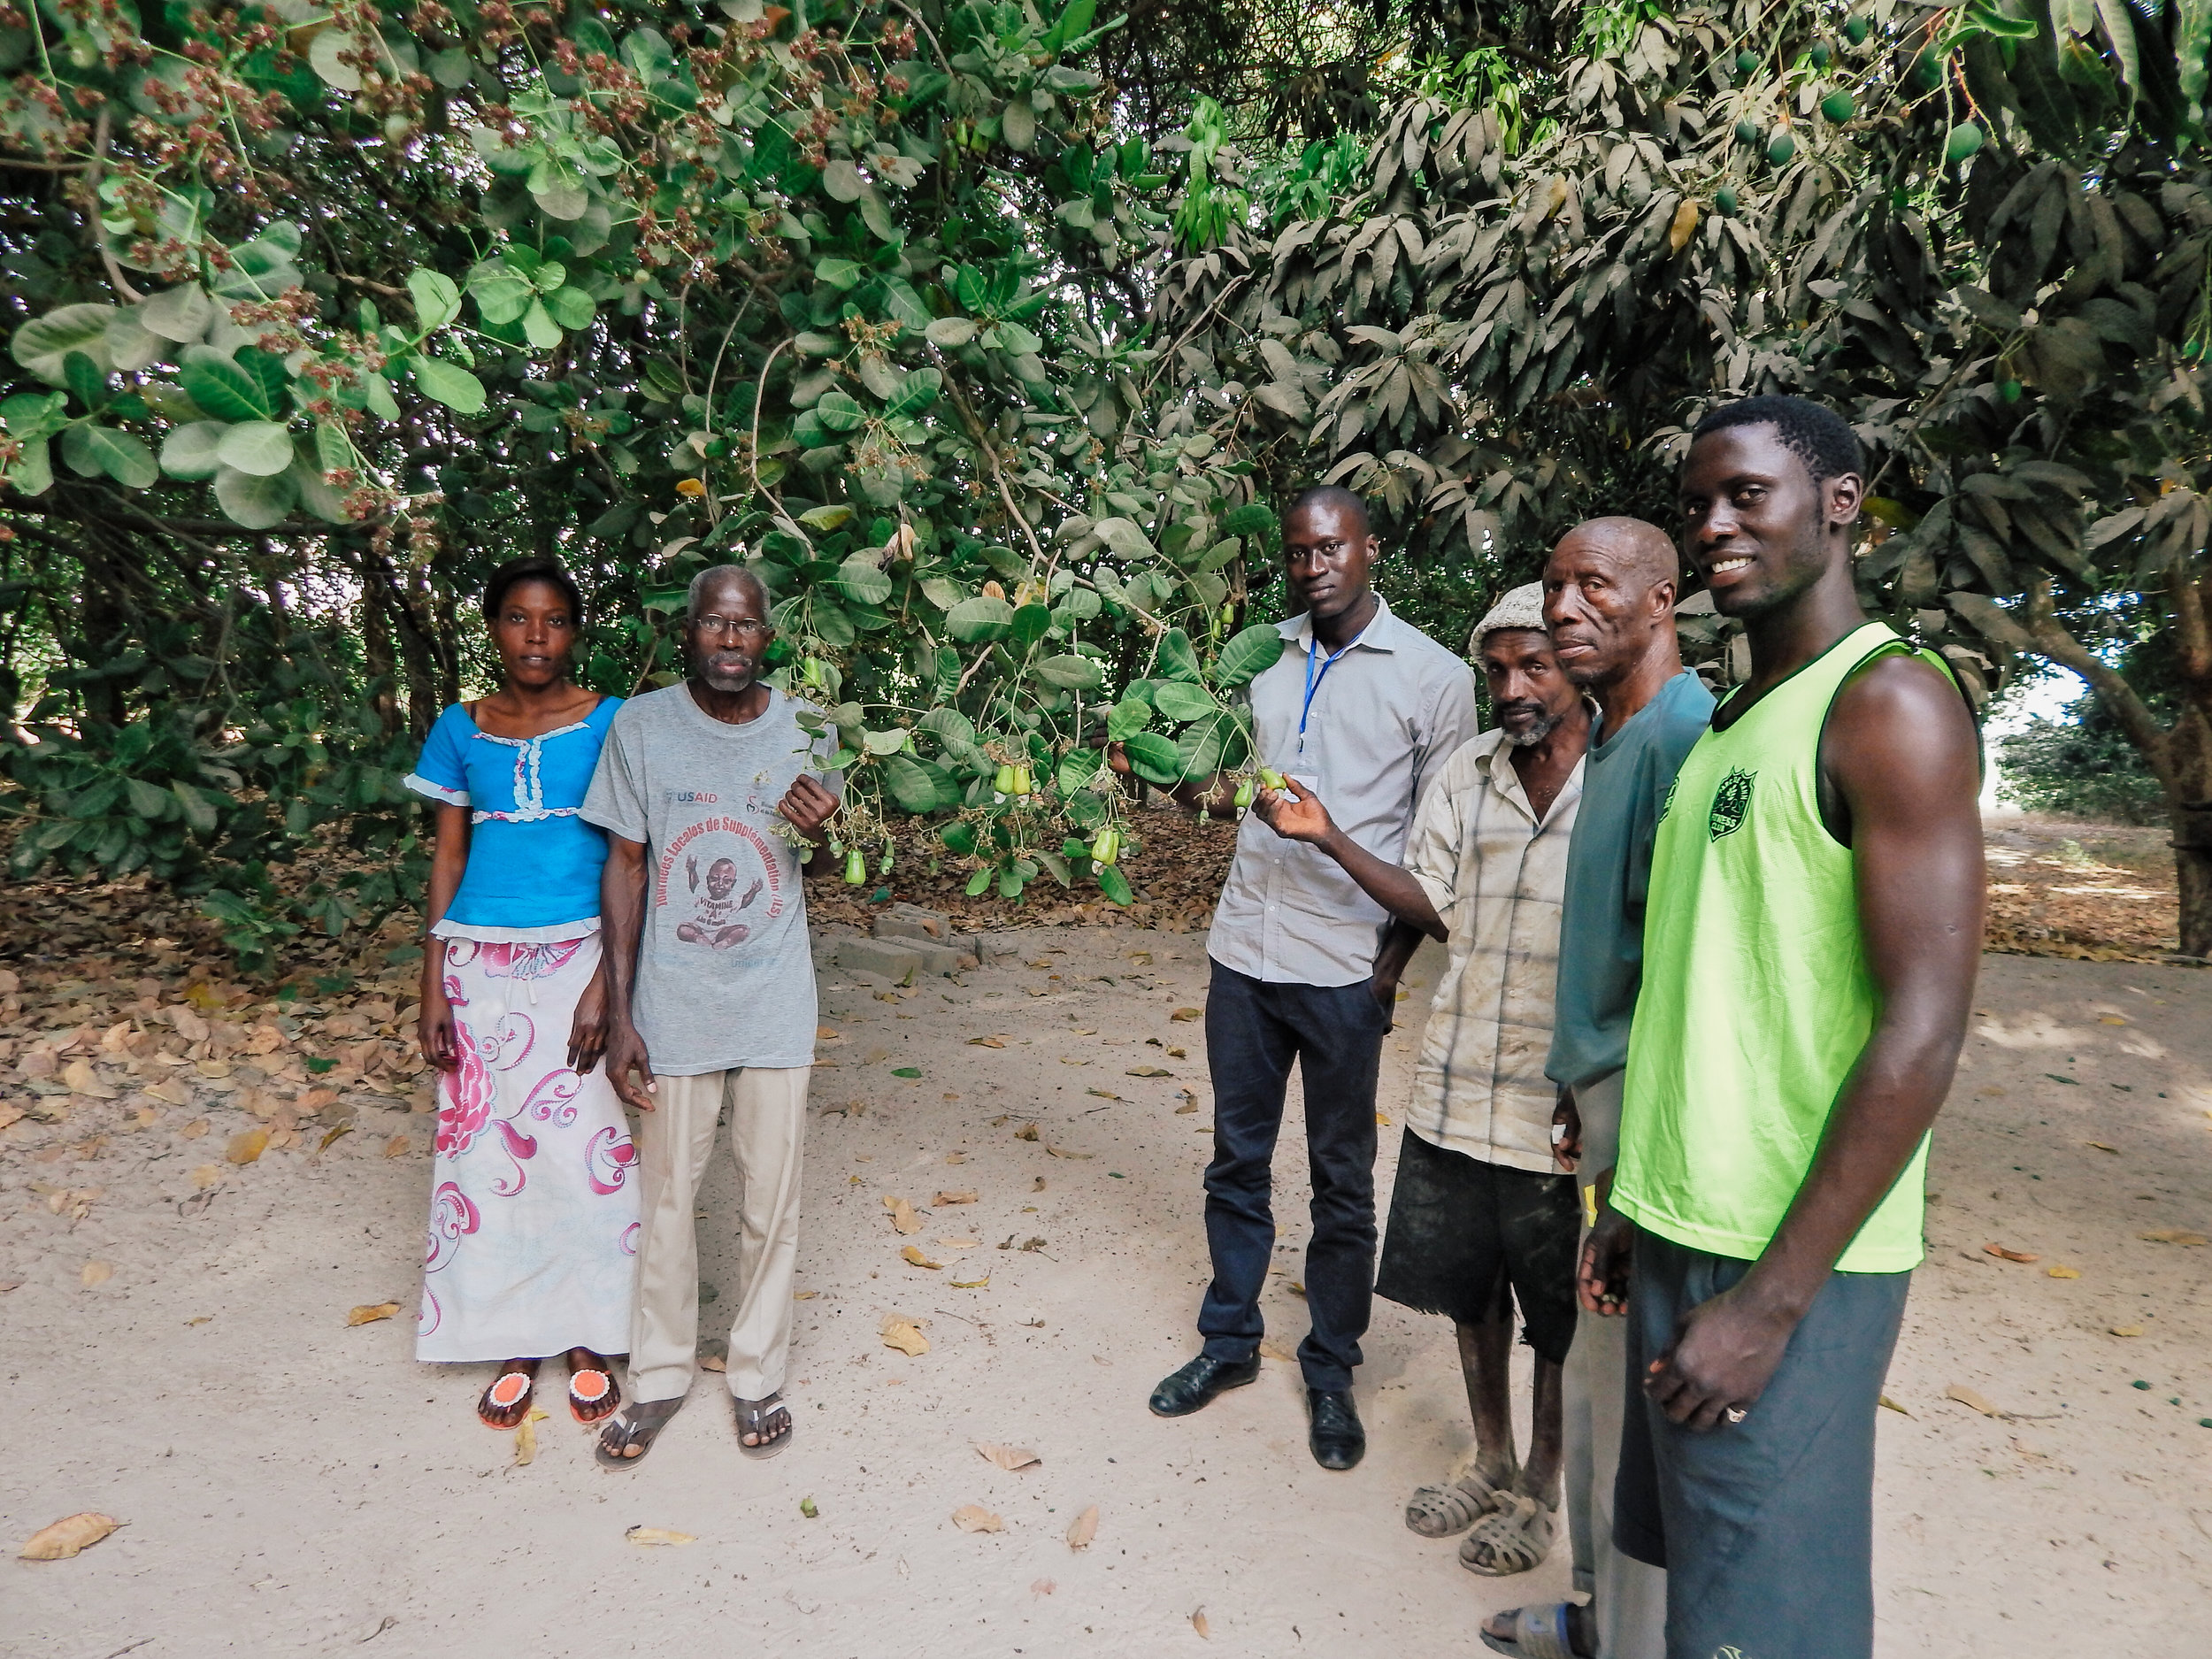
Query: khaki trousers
(675, 1139)
(1629, 1597)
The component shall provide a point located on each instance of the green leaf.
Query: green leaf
(857, 578)
(220, 387)
(916, 392)
(437, 301)
(44, 344)
(180, 314)
(1248, 655)
(1176, 660)
(958, 838)
(502, 293)
(950, 334)
(257, 503)
(92, 450)
(1125, 538)
(1071, 673)
(322, 56)
(1078, 767)
(1114, 884)
(570, 308)
(1153, 758)
(199, 811)
(889, 741)
(1181, 702)
(33, 471)
(981, 618)
(840, 411)
(456, 387)
(1031, 624)
(148, 801)
(838, 273)
(1252, 519)
(1130, 716)
(539, 328)
(262, 448)
(910, 784)
(980, 880)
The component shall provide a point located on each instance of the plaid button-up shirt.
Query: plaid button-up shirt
(1496, 875)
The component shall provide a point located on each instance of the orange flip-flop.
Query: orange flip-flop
(509, 1390)
(593, 1394)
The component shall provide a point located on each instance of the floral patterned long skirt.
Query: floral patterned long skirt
(533, 1208)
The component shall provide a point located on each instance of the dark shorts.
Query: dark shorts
(1766, 1526)
(1462, 1231)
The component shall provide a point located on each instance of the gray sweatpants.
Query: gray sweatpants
(1766, 1526)
(1629, 1598)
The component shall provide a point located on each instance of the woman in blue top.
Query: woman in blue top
(534, 1215)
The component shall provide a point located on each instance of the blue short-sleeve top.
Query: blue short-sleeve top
(533, 864)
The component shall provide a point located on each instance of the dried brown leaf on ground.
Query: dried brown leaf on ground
(246, 1145)
(1972, 1400)
(66, 1537)
(96, 1272)
(915, 1258)
(206, 1175)
(1148, 1070)
(370, 1312)
(2063, 1271)
(904, 1216)
(1083, 1528)
(1269, 1349)
(1198, 1623)
(713, 1361)
(973, 1517)
(2172, 1235)
(657, 1535)
(1009, 1457)
(987, 1042)
(527, 1436)
(2127, 1330)
(1188, 1014)
(954, 1198)
(194, 1130)
(1062, 1152)
(1027, 1132)
(905, 1335)
(1888, 1404)
(2010, 1256)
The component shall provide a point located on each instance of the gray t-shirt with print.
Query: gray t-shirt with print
(724, 977)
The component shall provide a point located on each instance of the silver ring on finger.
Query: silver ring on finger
(1735, 1414)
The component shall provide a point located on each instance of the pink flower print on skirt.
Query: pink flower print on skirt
(535, 1208)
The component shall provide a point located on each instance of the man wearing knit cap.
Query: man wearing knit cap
(1481, 1218)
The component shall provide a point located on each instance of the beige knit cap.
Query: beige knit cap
(1523, 607)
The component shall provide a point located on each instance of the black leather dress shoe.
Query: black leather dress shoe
(1337, 1439)
(1195, 1385)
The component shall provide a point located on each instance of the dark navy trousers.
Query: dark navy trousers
(1254, 1032)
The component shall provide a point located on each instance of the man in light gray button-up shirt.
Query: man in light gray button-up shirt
(1363, 709)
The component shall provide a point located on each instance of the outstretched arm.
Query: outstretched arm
(1296, 813)
(1899, 751)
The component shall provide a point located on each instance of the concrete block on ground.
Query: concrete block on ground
(894, 958)
(910, 921)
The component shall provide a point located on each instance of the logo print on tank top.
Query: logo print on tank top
(1667, 805)
(1732, 803)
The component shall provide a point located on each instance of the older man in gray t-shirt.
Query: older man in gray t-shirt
(707, 793)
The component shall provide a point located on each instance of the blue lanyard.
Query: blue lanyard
(1313, 684)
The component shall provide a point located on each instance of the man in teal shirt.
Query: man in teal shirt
(1609, 599)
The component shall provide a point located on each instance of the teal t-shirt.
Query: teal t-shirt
(1625, 776)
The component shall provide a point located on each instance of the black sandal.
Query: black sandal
(640, 1426)
(753, 1417)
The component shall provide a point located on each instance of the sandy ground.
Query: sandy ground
(295, 1485)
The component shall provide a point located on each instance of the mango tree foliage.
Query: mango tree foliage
(339, 302)
(1980, 230)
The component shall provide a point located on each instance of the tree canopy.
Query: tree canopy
(989, 333)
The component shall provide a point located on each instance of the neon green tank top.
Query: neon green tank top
(1756, 998)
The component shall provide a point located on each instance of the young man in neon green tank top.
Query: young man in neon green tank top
(1809, 951)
